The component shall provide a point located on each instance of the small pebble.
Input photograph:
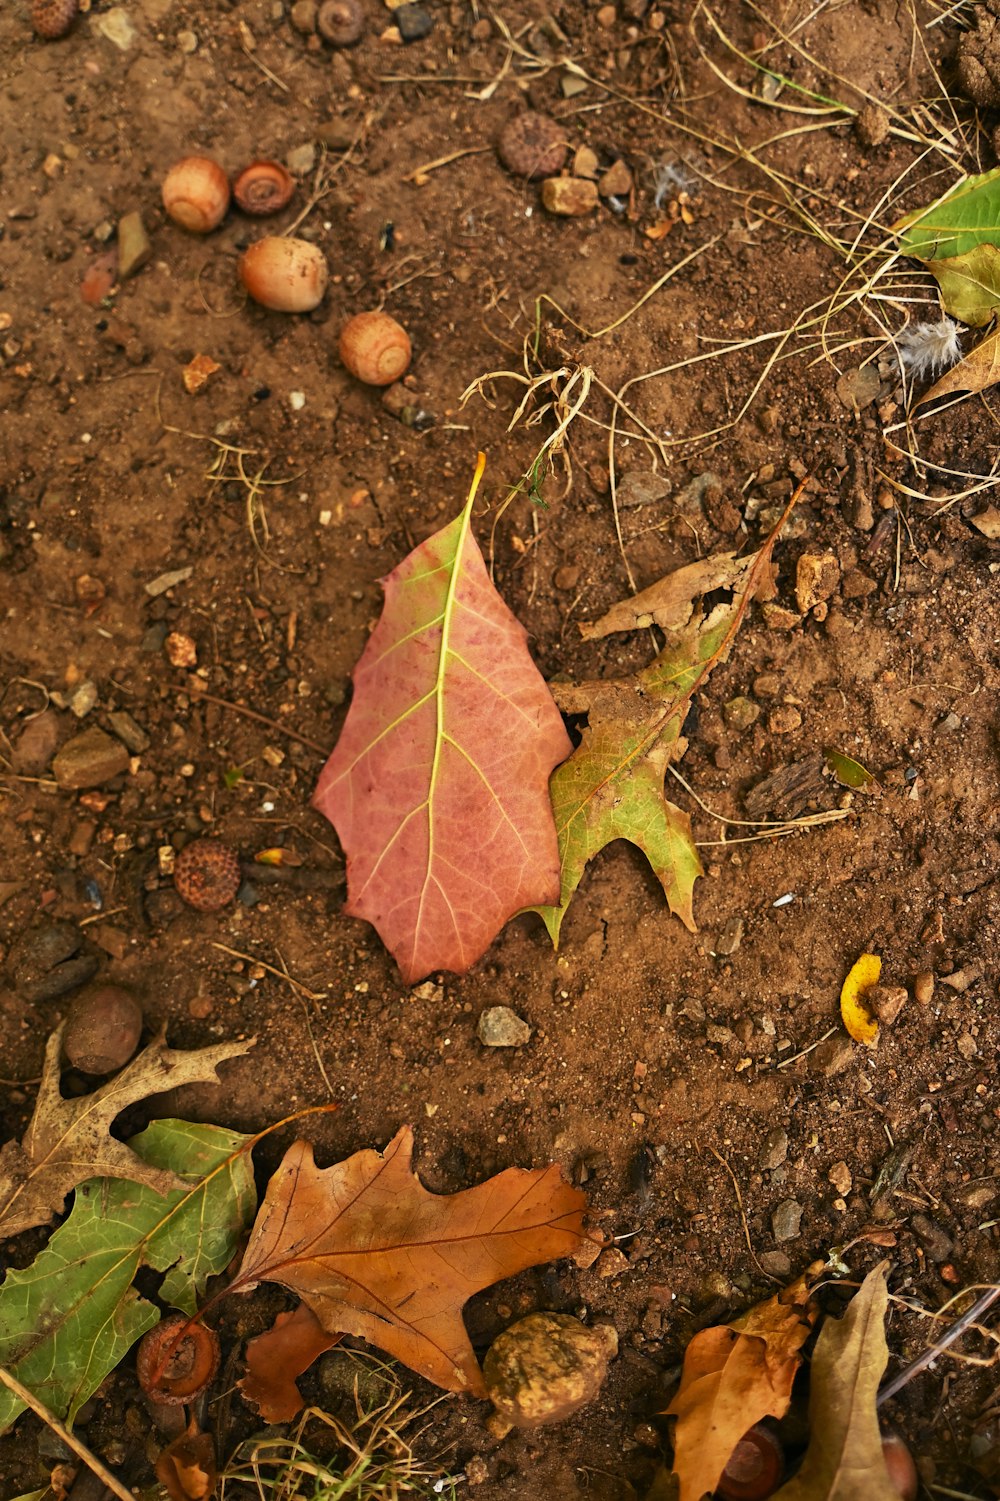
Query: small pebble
(187, 41)
(816, 578)
(567, 577)
(616, 182)
(500, 1027)
(585, 163)
(872, 124)
(45, 962)
(932, 1237)
(132, 735)
(606, 17)
(302, 159)
(775, 1263)
(303, 16)
(784, 720)
(89, 760)
(832, 1056)
(923, 987)
(569, 197)
(181, 650)
(886, 1002)
(729, 940)
(414, 22)
(786, 1220)
(740, 713)
(774, 1151)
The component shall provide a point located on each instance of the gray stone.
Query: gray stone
(302, 160)
(730, 938)
(774, 1151)
(740, 713)
(786, 1219)
(46, 962)
(775, 1263)
(165, 581)
(36, 744)
(129, 733)
(934, 1240)
(832, 1056)
(500, 1027)
(414, 21)
(639, 488)
(90, 760)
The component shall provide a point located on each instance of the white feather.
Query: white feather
(926, 349)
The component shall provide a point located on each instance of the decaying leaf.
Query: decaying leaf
(849, 773)
(670, 602)
(277, 1357)
(844, 1459)
(186, 1468)
(375, 1255)
(438, 786)
(980, 368)
(68, 1141)
(859, 1021)
(612, 785)
(71, 1316)
(734, 1375)
(956, 237)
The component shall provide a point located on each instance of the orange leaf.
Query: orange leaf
(734, 1375)
(274, 1360)
(375, 1255)
(186, 1468)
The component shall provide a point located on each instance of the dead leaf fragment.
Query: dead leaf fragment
(186, 1468)
(277, 1357)
(68, 1141)
(734, 1375)
(977, 370)
(858, 1019)
(670, 602)
(375, 1255)
(196, 373)
(844, 1459)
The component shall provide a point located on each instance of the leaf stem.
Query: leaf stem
(69, 1439)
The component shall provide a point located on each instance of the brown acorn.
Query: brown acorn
(340, 22)
(532, 145)
(375, 348)
(754, 1469)
(53, 18)
(899, 1463)
(102, 1029)
(174, 1368)
(207, 874)
(196, 194)
(263, 188)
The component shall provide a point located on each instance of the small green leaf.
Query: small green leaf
(233, 777)
(71, 1316)
(849, 773)
(958, 237)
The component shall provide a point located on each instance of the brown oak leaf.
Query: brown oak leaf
(374, 1254)
(69, 1141)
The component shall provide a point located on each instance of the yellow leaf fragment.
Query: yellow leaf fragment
(859, 1021)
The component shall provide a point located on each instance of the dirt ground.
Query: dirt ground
(668, 1072)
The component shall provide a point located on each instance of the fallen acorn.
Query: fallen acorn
(207, 874)
(102, 1030)
(375, 348)
(755, 1468)
(340, 22)
(174, 1367)
(263, 188)
(195, 194)
(546, 1367)
(533, 145)
(52, 19)
(285, 274)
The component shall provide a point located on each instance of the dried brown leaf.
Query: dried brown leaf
(186, 1468)
(375, 1255)
(275, 1358)
(69, 1141)
(670, 602)
(980, 368)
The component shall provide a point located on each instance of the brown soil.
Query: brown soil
(657, 1068)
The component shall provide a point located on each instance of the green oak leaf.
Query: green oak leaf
(958, 238)
(69, 1318)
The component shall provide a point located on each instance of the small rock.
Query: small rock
(832, 1056)
(858, 388)
(720, 1036)
(967, 1046)
(640, 487)
(923, 987)
(784, 720)
(840, 1176)
(303, 16)
(786, 1220)
(778, 618)
(774, 1151)
(116, 27)
(606, 17)
(872, 125)
(181, 650)
(935, 1241)
(429, 991)
(740, 713)
(886, 1002)
(36, 744)
(168, 580)
(134, 245)
(477, 1471)
(961, 979)
(500, 1027)
(721, 513)
(83, 700)
(857, 585)
(616, 182)
(567, 577)
(546, 1367)
(611, 1263)
(988, 522)
(816, 577)
(89, 760)
(414, 22)
(187, 42)
(859, 510)
(302, 159)
(569, 197)
(337, 135)
(129, 733)
(585, 163)
(775, 1263)
(730, 938)
(46, 962)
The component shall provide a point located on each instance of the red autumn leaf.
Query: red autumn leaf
(374, 1254)
(275, 1358)
(438, 786)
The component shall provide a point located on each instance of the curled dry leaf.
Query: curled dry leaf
(186, 1468)
(375, 1255)
(734, 1375)
(980, 368)
(277, 1357)
(844, 1460)
(858, 1019)
(438, 786)
(69, 1141)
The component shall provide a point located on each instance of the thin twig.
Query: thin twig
(312, 995)
(69, 1439)
(743, 1218)
(198, 696)
(902, 1378)
(812, 1046)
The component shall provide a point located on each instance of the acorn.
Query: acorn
(340, 22)
(754, 1469)
(196, 194)
(263, 188)
(102, 1030)
(174, 1368)
(375, 348)
(899, 1463)
(285, 274)
(53, 18)
(207, 874)
(533, 145)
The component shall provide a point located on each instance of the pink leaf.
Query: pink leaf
(438, 786)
